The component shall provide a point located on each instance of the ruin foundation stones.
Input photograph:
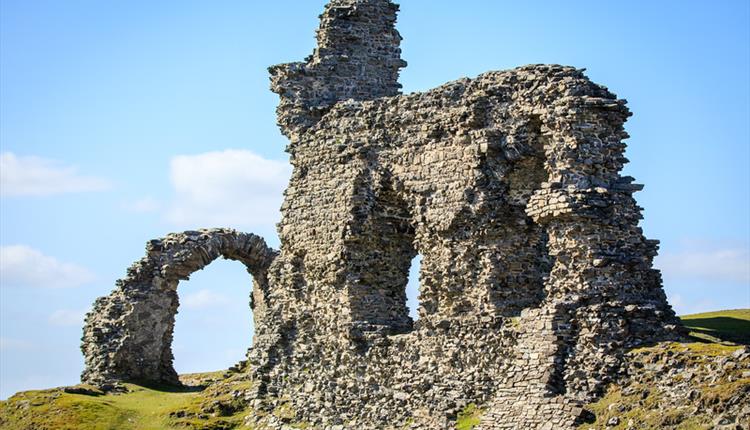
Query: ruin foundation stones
(535, 277)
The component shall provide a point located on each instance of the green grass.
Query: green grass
(722, 326)
(140, 408)
(716, 335)
(469, 417)
(645, 403)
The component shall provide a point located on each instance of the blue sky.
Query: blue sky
(123, 121)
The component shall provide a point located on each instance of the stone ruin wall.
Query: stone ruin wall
(535, 276)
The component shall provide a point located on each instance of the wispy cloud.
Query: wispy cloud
(67, 317)
(23, 266)
(36, 176)
(203, 299)
(235, 188)
(714, 264)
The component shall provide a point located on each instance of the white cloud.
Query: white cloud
(203, 299)
(235, 188)
(23, 266)
(35, 176)
(724, 264)
(144, 205)
(67, 317)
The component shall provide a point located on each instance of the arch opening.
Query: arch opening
(128, 335)
(214, 321)
(380, 251)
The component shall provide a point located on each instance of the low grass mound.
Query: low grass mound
(138, 408)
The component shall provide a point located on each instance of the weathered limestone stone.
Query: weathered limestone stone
(535, 276)
(128, 334)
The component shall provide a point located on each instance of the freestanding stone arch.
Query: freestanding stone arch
(128, 334)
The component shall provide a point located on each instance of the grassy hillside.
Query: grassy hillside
(722, 326)
(210, 400)
(140, 408)
(692, 386)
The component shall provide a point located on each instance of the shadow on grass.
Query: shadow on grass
(170, 388)
(726, 329)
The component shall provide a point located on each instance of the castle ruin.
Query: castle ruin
(535, 276)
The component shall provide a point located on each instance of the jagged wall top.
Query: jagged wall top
(358, 57)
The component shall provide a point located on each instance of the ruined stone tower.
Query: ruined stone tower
(535, 276)
(358, 57)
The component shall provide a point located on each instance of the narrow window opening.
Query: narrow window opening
(412, 288)
(214, 324)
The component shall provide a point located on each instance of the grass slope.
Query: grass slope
(212, 403)
(686, 387)
(140, 408)
(687, 384)
(723, 326)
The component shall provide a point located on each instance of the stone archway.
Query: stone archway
(128, 334)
